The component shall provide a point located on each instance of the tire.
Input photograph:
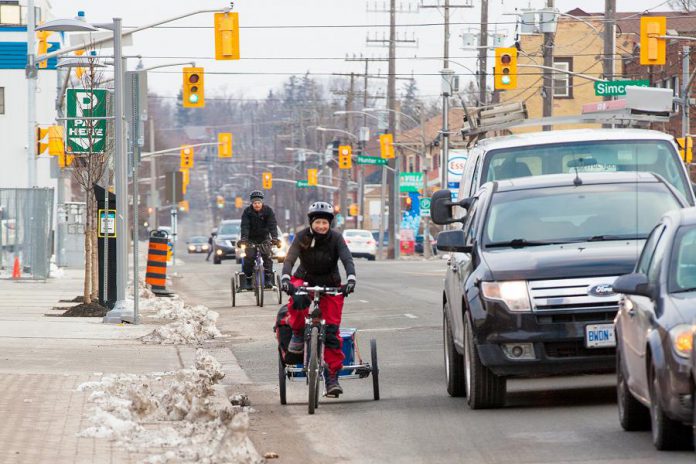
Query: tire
(280, 292)
(313, 371)
(216, 260)
(234, 291)
(454, 362)
(667, 434)
(374, 368)
(484, 389)
(633, 416)
(282, 379)
(259, 289)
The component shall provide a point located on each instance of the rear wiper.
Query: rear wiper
(602, 238)
(520, 243)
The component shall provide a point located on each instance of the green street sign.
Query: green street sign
(617, 88)
(302, 184)
(371, 160)
(424, 204)
(86, 135)
(410, 181)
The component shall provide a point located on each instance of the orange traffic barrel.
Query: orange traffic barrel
(156, 273)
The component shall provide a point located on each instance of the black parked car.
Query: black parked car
(528, 285)
(655, 327)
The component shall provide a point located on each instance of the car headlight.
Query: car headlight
(204, 248)
(682, 337)
(192, 248)
(513, 293)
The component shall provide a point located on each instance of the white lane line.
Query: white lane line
(411, 316)
(363, 301)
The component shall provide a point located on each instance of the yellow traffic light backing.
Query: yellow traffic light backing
(312, 177)
(267, 180)
(653, 51)
(344, 157)
(56, 146)
(238, 202)
(386, 145)
(186, 157)
(227, 36)
(224, 145)
(505, 68)
(686, 148)
(42, 49)
(194, 96)
(185, 178)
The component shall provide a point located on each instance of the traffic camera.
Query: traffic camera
(505, 68)
(194, 96)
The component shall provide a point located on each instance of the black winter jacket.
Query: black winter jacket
(257, 227)
(319, 258)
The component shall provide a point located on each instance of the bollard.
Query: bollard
(156, 274)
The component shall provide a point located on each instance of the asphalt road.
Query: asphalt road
(557, 420)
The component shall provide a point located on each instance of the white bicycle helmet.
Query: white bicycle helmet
(320, 209)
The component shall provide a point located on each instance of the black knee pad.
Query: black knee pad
(332, 340)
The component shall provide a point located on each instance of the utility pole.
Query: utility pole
(343, 193)
(393, 247)
(686, 106)
(548, 73)
(483, 53)
(609, 40)
(154, 200)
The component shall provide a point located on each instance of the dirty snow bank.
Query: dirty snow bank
(177, 412)
(191, 324)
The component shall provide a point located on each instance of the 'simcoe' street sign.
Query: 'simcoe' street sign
(86, 135)
(617, 88)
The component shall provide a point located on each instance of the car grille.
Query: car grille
(573, 349)
(564, 318)
(563, 295)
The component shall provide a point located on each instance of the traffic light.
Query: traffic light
(344, 159)
(42, 49)
(186, 157)
(238, 202)
(224, 145)
(353, 209)
(267, 180)
(686, 145)
(409, 203)
(40, 135)
(184, 206)
(227, 36)
(220, 201)
(79, 71)
(194, 96)
(386, 145)
(65, 160)
(312, 177)
(505, 68)
(185, 177)
(56, 146)
(653, 51)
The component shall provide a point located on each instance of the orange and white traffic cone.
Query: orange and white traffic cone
(16, 270)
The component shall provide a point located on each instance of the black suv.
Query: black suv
(528, 286)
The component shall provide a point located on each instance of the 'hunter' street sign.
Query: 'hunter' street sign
(86, 135)
(371, 160)
(617, 88)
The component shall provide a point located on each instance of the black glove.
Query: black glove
(276, 242)
(300, 302)
(349, 287)
(287, 286)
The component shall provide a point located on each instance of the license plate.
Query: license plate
(600, 335)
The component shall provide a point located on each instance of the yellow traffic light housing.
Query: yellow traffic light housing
(220, 201)
(653, 51)
(224, 145)
(55, 141)
(40, 135)
(238, 202)
(184, 206)
(267, 180)
(185, 178)
(353, 210)
(42, 48)
(386, 146)
(505, 68)
(344, 157)
(312, 177)
(194, 96)
(186, 157)
(227, 36)
(686, 145)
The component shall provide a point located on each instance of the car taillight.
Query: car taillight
(371, 242)
(347, 241)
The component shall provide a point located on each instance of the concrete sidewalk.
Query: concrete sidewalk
(43, 359)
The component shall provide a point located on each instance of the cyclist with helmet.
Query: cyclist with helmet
(258, 224)
(319, 249)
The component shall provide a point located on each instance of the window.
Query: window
(2, 100)
(12, 14)
(562, 82)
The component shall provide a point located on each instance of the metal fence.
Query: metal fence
(26, 221)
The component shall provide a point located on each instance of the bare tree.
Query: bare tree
(683, 5)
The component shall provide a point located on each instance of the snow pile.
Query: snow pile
(191, 325)
(177, 412)
(56, 272)
(144, 291)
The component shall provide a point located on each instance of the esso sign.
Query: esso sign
(455, 166)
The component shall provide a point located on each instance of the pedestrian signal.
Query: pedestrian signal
(194, 96)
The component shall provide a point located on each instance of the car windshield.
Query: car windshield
(357, 233)
(682, 274)
(230, 228)
(198, 239)
(656, 156)
(572, 214)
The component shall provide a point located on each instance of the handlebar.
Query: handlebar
(319, 290)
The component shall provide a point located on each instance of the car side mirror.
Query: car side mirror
(453, 240)
(633, 284)
(441, 207)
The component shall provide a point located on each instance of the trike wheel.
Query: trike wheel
(259, 288)
(234, 290)
(313, 371)
(280, 291)
(282, 378)
(374, 368)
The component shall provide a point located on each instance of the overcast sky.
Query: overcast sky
(271, 54)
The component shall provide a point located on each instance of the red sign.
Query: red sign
(610, 105)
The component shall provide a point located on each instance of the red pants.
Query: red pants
(331, 309)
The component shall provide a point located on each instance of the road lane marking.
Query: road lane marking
(411, 316)
(363, 301)
(396, 329)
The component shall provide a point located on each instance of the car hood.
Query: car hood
(564, 261)
(227, 237)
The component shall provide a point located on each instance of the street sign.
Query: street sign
(107, 222)
(617, 88)
(410, 181)
(86, 135)
(302, 184)
(424, 204)
(371, 160)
